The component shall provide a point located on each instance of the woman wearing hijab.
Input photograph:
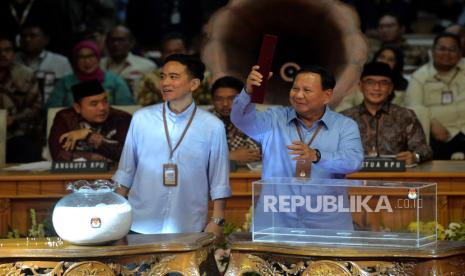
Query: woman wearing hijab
(86, 61)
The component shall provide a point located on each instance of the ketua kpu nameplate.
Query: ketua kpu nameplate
(383, 165)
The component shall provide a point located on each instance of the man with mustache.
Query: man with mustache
(90, 129)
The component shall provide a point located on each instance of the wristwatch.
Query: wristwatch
(417, 157)
(318, 156)
(218, 221)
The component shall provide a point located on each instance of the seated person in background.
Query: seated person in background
(439, 88)
(392, 56)
(391, 30)
(86, 57)
(91, 129)
(386, 128)
(121, 61)
(48, 67)
(242, 148)
(149, 88)
(20, 96)
(459, 30)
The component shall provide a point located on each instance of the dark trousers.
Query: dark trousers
(443, 151)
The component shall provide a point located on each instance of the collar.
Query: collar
(42, 54)
(384, 108)
(325, 119)
(185, 114)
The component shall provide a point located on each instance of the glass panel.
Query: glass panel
(348, 212)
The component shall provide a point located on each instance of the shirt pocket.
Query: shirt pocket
(433, 93)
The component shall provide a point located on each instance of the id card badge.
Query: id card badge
(170, 174)
(446, 97)
(303, 168)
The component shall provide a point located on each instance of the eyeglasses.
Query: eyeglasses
(443, 50)
(381, 83)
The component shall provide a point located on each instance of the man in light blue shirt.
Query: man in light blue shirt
(336, 147)
(170, 194)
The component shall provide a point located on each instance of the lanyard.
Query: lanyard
(21, 20)
(165, 125)
(300, 133)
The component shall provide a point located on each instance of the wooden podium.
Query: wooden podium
(267, 259)
(189, 254)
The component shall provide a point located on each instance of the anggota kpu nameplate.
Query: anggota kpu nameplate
(78, 166)
(379, 164)
(265, 60)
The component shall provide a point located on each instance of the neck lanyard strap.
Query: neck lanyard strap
(301, 136)
(165, 125)
(21, 20)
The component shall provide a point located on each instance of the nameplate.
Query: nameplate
(383, 165)
(79, 166)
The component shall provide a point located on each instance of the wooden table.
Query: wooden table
(21, 191)
(190, 254)
(271, 259)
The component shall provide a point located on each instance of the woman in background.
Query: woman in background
(86, 62)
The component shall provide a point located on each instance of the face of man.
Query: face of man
(376, 89)
(33, 40)
(87, 61)
(446, 54)
(94, 109)
(7, 54)
(307, 96)
(173, 46)
(389, 29)
(387, 56)
(119, 43)
(175, 82)
(223, 99)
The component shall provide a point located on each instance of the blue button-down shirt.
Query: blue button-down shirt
(203, 169)
(341, 152)
(338, 140)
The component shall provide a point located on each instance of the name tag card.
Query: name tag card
(374, 164)
(79, 166)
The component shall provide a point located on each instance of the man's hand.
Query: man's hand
(438, 131)
(70, 138)
(244, 155)
(302, 151)
(95, 140)
(254, 79)
(214, 228)
(407, 156)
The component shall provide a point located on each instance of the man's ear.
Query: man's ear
(195, 83)
(77, 107)
(329, 95)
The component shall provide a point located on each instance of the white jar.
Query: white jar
(92, 214)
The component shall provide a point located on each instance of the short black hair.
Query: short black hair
(173, 36)
(398, 18)
(194, 65)
(327, 78)
(7, 37)
(449, 35)
(227, 82)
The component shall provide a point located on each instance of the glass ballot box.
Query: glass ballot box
(345, 212)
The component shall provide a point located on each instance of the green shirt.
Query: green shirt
(118, 91)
